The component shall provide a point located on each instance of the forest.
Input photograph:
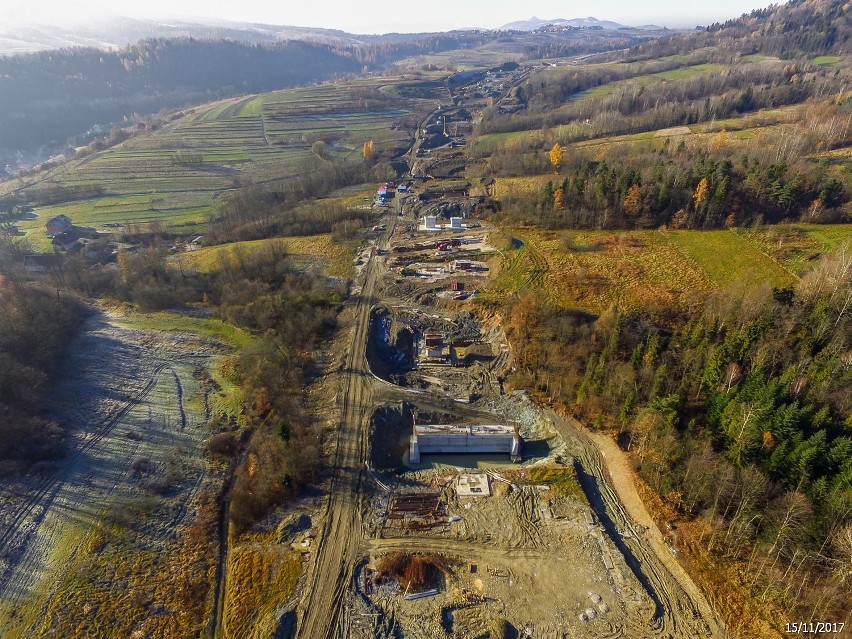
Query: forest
(681, 193)
(36, 326)
(737, 415)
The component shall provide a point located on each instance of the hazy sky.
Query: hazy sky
(379, 16)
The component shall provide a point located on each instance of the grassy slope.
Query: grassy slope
(335, 258)
(594, 269)
(173, 175)
(164, 322)
(727, 257)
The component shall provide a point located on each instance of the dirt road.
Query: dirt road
(682, 610)
(338, 545)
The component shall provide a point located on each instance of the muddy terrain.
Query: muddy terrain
(543, 547)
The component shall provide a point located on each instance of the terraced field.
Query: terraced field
(175, 174)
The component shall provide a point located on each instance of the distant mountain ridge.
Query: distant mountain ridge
(117, 33)
(584, 23)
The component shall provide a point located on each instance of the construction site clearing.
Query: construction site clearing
(456, 257)
(487, 553)
(476, 524)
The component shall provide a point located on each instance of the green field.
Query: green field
(827, 60)
(312, 250)
(685, 73)
(487, 143)
(634, 269)
(728, 257)
(168, 322)
(798, 246)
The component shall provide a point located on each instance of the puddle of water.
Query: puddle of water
(442, 462)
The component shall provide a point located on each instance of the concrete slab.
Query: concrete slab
(473, 485)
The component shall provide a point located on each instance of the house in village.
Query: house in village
(65, 242)
(58, 225)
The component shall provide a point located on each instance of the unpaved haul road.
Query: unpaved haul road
(681, 608)
(338, 546)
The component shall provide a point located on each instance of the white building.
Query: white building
(463, 439)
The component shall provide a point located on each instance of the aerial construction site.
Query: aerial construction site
(458, 507)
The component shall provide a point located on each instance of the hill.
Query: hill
(797, 28)
(49, 98)
(119, 32)
(580, 23)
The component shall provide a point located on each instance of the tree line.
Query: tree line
(273, 208)
(36, 325)
(700, 194)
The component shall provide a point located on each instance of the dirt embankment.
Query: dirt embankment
(609, 483)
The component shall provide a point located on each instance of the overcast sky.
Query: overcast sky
(381, 16)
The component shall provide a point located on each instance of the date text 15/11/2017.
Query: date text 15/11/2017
(814, 627)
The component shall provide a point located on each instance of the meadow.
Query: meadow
(653, 269)
(320, 251)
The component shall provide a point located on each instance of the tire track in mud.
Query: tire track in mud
(30, 515)
(179, 392)
(183, 509)
(47, 485)
(677, 612)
